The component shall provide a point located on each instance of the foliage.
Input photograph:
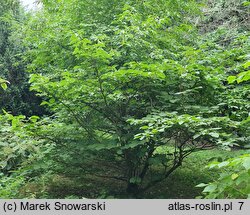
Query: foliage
(17, 98)
(144, 79)
(233, 181)
(241, 77)
(15, 143)
(133, 88)
(191, 173)
(3, 83)
(20, 154)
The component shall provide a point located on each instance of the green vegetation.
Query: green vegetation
(17, 98)
(137, 98)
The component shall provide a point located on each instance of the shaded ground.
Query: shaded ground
(181, 184)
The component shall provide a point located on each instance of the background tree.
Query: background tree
(141, 85)
(234, 179)
(228, 31)
(17, 98)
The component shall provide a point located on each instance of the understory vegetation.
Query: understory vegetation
(125, 99)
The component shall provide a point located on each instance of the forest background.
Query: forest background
(125, 99)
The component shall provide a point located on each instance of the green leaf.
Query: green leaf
(244, 76)
(4, 86)
(246, 3)
(231, 79)
(234, 176)
(210, 188)
(246, 163)
(247, 64)
(201, 185)
(223, 164)
(214, 134)
(196, 136)
(34, 118)
(144, 127)
(243, 177)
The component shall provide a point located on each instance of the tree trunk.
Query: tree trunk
(133, 190)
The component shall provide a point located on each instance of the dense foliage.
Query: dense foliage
(17, 98)
(132, 89)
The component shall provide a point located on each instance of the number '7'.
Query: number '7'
(241, 204)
